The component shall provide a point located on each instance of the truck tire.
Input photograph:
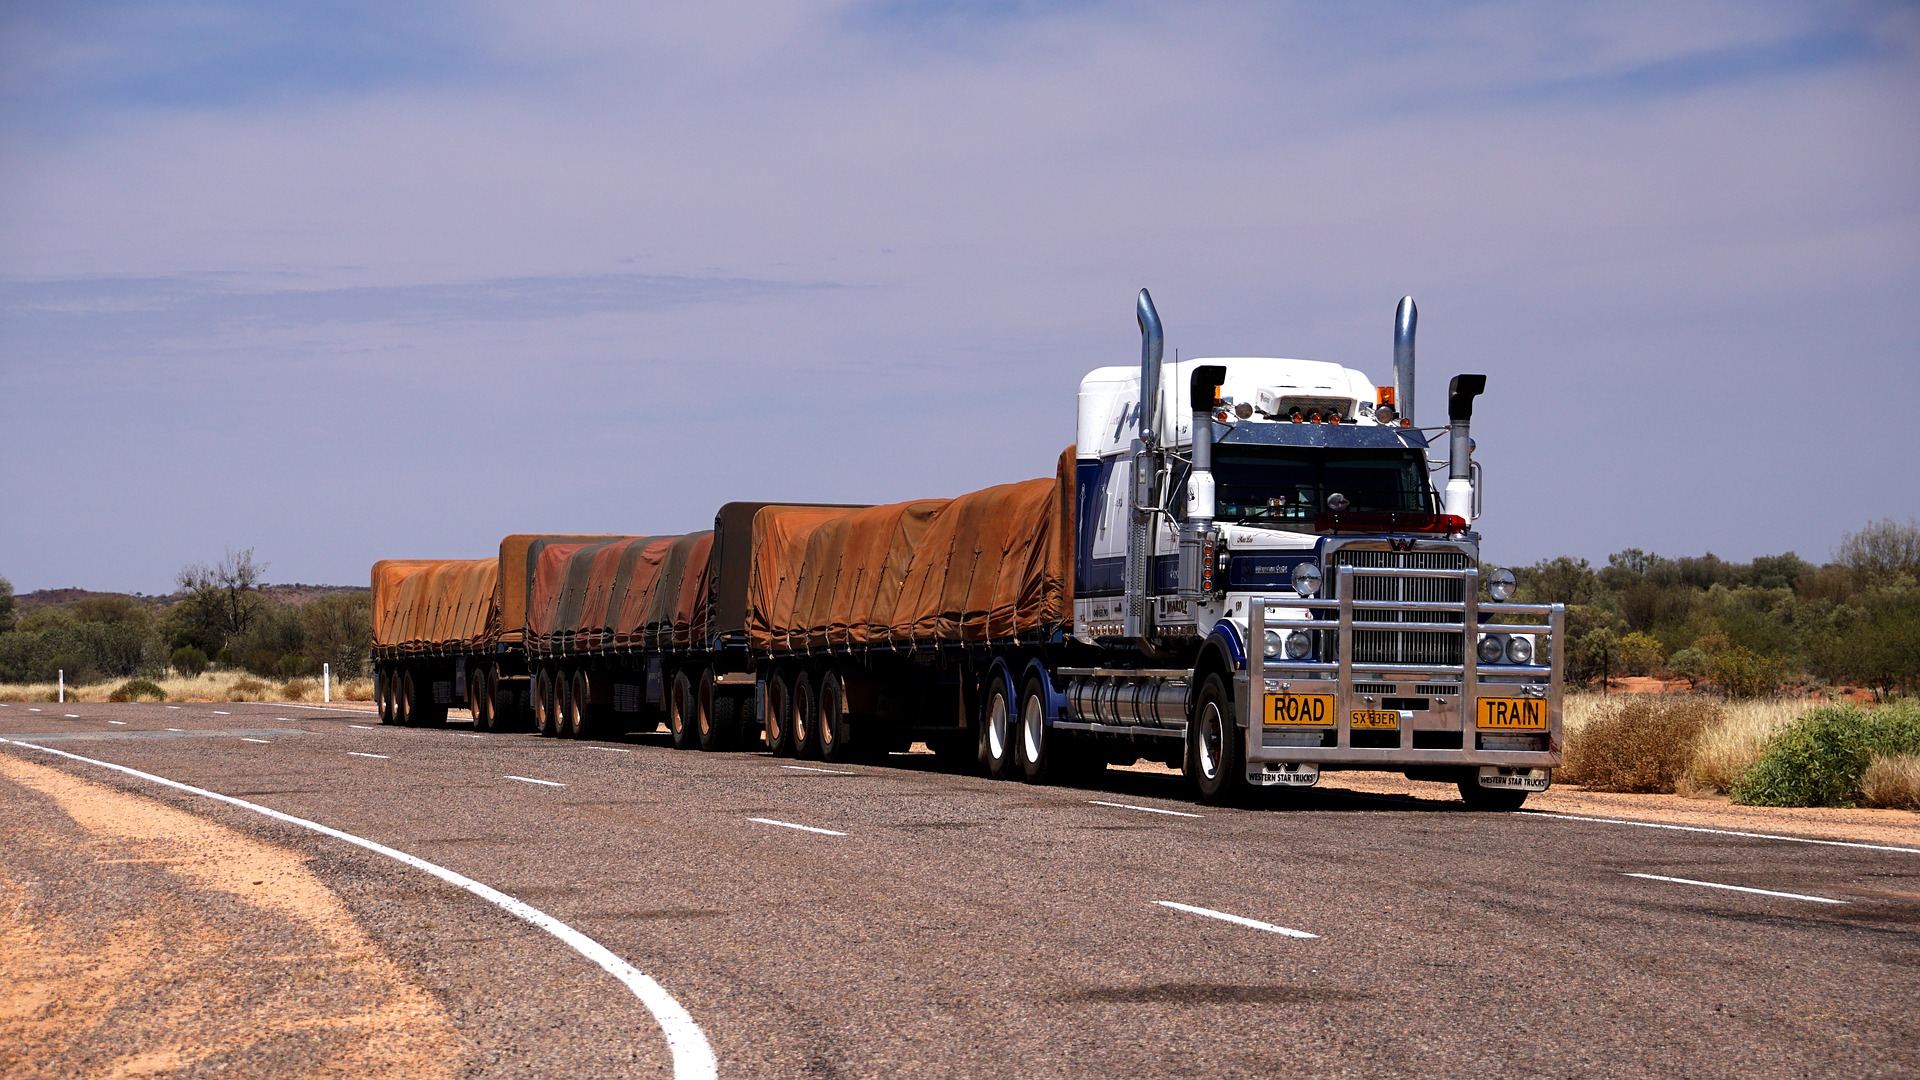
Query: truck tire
(1035, 745)
(584, 722)
(835, 728)
(680, 718)
(563, 703)
(405, 706)
(996, 732)
(545, 711)
(1495, 799)
(480, 699)
(383, 693)
(806, 715)
(719, 718)
(777, 728)
(1214, 756)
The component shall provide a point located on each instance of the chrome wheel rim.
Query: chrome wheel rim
(1033, 726)
(1211, 742)
(997, 728)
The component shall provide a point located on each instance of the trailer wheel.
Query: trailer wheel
(1213, 746)
(680, 718)
(479, 699)
(383, 692)
(1479, 798)
(806, 715)
(996, 732)
(543, 702)
(403, 706)
(722, 719)
(835, 730)
(583, 718)
(1034, 749)
(777, 727)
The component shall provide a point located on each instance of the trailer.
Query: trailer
(1243, 567)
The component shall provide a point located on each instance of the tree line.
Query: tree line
(1746, 629)
(220, 617)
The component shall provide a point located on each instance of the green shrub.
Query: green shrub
(1740, 672)
(138, 690)
(1818, 760)
(1640, 743)
(189, 660)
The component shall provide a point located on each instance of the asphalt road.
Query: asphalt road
(950, 925)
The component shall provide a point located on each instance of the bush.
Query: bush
(138, 690)
(1641, 744)
(1819, 760)
(189, 660)
(1689, 664)
(1892, 782)
(299, 690)
(246, 690)
(1740, 672)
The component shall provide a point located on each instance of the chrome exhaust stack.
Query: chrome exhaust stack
(1405, 321)
(1460, 394)
(1137, 615)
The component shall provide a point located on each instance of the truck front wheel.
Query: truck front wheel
(1214, 748)
(1480, 798)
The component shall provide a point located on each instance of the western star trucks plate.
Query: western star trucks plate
(1513, 714)
(1375, 718)
(1300, 710)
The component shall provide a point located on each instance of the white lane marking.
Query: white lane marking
(382, 757)
(791, 825)
(363, 727)
(122, 723)
(809, 768)
(1239, 920)
(217, 712)
(243, 738)
(1143, 809)
(1741, 888)
(173, 706)
(469, 735)
(176, 729)
(4, 705)
(33, 710)
(613, 749)
(531, 780)
(319, 708)
(1718, 832)
(692, 1056)
(73, 716)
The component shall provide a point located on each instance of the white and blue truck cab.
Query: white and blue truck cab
(1277, 585)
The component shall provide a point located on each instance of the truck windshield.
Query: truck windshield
(1287, 485)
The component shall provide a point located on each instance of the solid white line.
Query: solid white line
(614, 749)
(1740, 888)
(1143, 809)
(808, 768)
(791, 825)
(122, 723)
(382, 757)
(1719, 832)
(1240, 920)
(692, 1056)
(363, 727)
(243, 738)
(531, 780)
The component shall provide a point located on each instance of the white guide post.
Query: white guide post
(63, 686)
(326, 683)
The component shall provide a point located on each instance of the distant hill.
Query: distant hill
(281, 594)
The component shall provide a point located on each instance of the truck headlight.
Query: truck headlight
(1501, 585)
(1492, 648)
(1520, 649)
(1299, 645)
(1272, 646)
(1306, 579)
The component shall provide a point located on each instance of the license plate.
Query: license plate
(1300, 710)
(1375, 718)
(1512, 714)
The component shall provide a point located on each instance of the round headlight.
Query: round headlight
(1299, 645)
(1306, 579)
(1272, 647)
(1492, 648)
(1520, 649)
(1500, 584)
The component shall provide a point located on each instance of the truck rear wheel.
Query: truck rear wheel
(404, 705)
(1034, 747)
(583, 719)
(714, 730)
(996, 731)
(563, 704)
(680, 719)
(836, 731)
(806, 715)
(544, 706)
(383, 692)
(479, 699)
(1214, 746)
(777, 727)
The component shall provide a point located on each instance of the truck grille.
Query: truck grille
(1437, 647)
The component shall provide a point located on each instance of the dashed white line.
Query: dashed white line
(531, 780)
(33, 710)
(176, 729)
(1238, 920)
(363, 727)
(173, 706)
(809, 768)
(1740, 888)
(612, 749)
(122, 723)
(320, 708)
(1142, 809)
(73, 716)
(692, 1054)
(243, 738)
(1717, 832)
(382, 757)
(217, 712)
(469, 735)
(791, 825)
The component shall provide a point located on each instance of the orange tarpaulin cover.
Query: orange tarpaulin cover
(434, 604)
(647, 591)
(516, 576)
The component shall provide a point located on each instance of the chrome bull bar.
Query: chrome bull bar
(1341, 676)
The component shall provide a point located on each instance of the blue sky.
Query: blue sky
(341, 282)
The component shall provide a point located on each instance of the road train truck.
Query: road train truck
(1247, 568)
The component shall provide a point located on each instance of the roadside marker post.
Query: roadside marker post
(63, 685)
(326, 683)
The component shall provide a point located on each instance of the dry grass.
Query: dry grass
(1659, 742)
(212, 686)
(1725, 750)
(1892, 782)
